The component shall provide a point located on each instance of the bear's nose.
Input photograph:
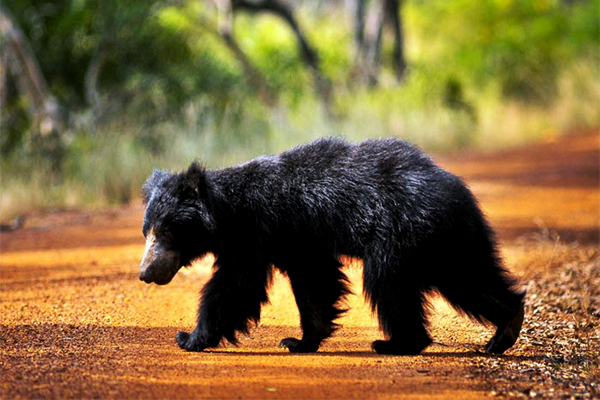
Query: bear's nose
(145, 276)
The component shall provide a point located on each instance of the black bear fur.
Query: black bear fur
(416, 227)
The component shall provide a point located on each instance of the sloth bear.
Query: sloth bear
(416, 227)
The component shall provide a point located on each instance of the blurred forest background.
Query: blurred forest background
(95, 93)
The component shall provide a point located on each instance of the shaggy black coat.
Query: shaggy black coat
(416, 227)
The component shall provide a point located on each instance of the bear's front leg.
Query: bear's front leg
(230, 300)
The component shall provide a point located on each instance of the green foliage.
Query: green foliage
(334, 43)
(518, 46)
(272, 47)
(481, 74)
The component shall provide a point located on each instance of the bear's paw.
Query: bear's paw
(506, 335)
(187, 342)
(298, 346)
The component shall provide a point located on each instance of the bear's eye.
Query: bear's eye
(164, 236)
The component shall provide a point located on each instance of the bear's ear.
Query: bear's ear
(154, 181)
(195, 178)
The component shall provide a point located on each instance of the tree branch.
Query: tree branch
(393, 11)
(309, 55)
(225, 31)
(92, 95)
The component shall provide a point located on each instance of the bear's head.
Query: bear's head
(178, 226)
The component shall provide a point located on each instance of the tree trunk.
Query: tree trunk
(369, 36)
(3, 77)
(393, 12)
(48, 117)
(360, 64)
(359, 24)
(373, 39)
(46, 113)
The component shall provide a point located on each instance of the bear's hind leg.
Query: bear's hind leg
(400, 306)
(403, 320)
(488, 294)
(318, 287)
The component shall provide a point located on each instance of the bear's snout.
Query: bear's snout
(160, 272)
(158, 265)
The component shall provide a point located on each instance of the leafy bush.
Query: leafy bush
(518, 46)
(485, 73)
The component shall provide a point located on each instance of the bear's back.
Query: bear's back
(332, 188)
(373, 156)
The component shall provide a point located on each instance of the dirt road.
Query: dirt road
(77, 323)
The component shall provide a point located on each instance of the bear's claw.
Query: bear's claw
(506, 335)
(298, 346)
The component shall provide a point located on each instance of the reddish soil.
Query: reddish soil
(77, 323)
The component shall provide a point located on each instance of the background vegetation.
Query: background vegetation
(145, 84)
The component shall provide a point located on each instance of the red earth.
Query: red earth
(77, 322)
